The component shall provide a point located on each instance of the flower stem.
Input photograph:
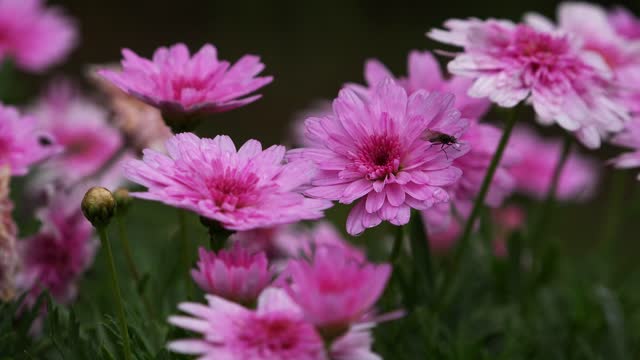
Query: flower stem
(124, 239)
(102, 232)
(547, 207)
(182, 220)
(615, 210)
(463, 244)
(218, 235)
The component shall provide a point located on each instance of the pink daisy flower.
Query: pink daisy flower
(34, 36)
(80, 127)
(424, 74)
(515, 62)
(22, 143)
(9, 259)
(56, 256)
(235, 274)
(625, 23)
(275, 330)
(591, 25)
(628, 138)
(538, 159)
(242, 189)
(178, 83)
(374, 150)
(335, 290)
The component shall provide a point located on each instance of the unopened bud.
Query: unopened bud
(123, 200)
(98, 206)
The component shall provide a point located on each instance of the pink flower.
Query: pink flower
(56, 256)
(22, 144)
(373, 149)
(178, 83)
(335, 290)
(234, 274)
(34, 36)
(591, 25)
(511, 63)
(628, 138)
(241, 189)
(425, 74)
(354, 345)
(291, 241)
(625, 23)
(276, 330)
(9, 259)
(80, 127)
(539, 157)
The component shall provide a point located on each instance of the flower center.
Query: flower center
(378, 157)
(233, 190)
(270, 334)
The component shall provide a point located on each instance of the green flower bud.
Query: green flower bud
(98, 206)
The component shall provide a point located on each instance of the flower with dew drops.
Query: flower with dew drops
(533, 173)
(334, 290)
(275, 330)
(373, 150)
(235, 274)
(628, 138)
(34, 36)
(182, 85)
(22, 143)
(241, 189)
(9, 259)
(511, 63)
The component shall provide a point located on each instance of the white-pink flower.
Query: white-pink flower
(551, 70)
(276, 330)
(628, 138)
(242, 189)
(374, 150)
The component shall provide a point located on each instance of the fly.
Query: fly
(442, 139)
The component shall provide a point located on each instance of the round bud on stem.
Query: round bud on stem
(98, 206)
(123, 200)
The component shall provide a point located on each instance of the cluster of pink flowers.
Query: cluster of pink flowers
(326, 297)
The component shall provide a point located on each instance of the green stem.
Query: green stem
(421, 249)
(182, 220)
(547, 207)
(135, 274)
(102, 232)
(484, 189)
(615, 210)
(397, 246)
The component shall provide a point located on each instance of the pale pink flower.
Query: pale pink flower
(333, 289)
(551, 70)
(235, 274)
(22, 143)
(34, 36)
(178, 83)
(628, 138)
(625, 23)
(9, 259)
(590, 24)
(81, 128)
(276, 330)
(424, 74)
(373, 150)
(354, 345)
(538, 160)
(54, 258)
(242, 189)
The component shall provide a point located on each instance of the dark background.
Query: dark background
(312, 48)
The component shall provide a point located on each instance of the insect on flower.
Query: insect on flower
(442, 139)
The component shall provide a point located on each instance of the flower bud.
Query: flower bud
(123, 200)
(98, 206)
